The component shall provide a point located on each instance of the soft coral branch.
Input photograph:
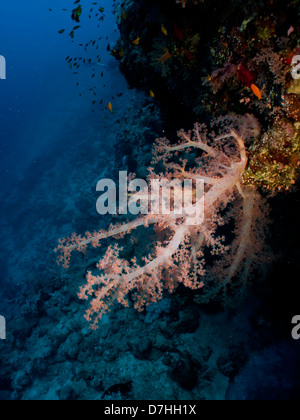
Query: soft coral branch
(180, 258)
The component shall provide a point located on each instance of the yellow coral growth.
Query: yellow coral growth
(275, 158)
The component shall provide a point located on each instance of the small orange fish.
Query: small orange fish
(164, 31)
(256, 91)
(121, 53)
(110, 107)
(136, 41)
(152, 94)
(124, 16)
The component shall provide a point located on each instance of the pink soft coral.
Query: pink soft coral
(178, 257)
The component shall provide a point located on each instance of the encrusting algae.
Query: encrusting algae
(275, 158)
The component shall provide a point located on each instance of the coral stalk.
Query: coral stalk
(179, 258)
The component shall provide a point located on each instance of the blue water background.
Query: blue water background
(54, 144)
(40, 92)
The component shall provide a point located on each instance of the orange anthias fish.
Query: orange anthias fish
(110, 107)
(136, 41)
(256, 91)
(152, 94)
(164, 31)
